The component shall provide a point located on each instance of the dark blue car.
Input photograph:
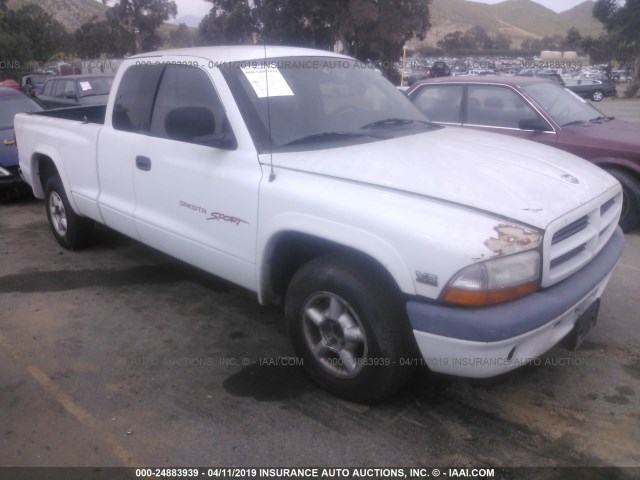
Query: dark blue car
(11, 102)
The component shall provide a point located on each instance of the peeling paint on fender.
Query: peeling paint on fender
(512, 239)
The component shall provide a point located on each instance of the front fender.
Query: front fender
(420, 241)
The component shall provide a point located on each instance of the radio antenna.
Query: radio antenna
(272, 173)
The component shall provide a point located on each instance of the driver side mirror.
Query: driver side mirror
(194, 124)
(535, 124)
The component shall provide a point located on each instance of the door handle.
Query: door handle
(143, 163)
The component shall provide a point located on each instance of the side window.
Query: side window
(69, 89)
(440, 103)
(187, 107)
(58, 89)
(134, 99)
(495, 106)
(48, 88)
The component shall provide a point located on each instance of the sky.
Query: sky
(555, 5)
(200, 8)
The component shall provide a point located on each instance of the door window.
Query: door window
(495, 106)
(187, 107)
(440, 103)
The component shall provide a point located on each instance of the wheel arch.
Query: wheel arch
(45, 163)
(286, 251)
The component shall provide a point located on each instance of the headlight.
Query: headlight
(4, 172)
(495, 281)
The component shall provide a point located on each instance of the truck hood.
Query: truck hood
(517, 179)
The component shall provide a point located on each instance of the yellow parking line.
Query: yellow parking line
(79, 413)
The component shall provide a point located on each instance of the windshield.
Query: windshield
(10, 105)
(95, 86)
(319, 102)
(564, 106)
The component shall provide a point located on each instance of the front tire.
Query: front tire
(630, 216)
(597, 95)
(347, 323)
(70, 230)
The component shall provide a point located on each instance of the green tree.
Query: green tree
(622, 24)
(598, 49)
(141, 18)
(502, 42)
(182, 37)
(453, 42)
(31, 34)
(380, 34)
(372, 30)
(477, 39)
(108, 37)
(573, 40)
(229, 21)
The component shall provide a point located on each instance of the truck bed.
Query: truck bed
(86, 114)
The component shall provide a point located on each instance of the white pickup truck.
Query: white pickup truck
(308, 178)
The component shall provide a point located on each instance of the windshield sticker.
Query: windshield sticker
(267, 81)
(85, 86)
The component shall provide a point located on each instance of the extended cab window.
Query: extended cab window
(134, 99)
(187, 107)
(495, 106)
(441, 103)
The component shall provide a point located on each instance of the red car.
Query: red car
(10, 84)
(542, 111)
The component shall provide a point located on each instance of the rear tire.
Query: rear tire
(630, 216)
(71, 231)
(597, 95)
(348, 324)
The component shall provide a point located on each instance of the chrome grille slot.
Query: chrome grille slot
(607, 206)
(567, 256)
(570, 230)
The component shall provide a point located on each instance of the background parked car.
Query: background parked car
(596, 90)
(37, 81)
(10, 84)
(556, 77)
(75, 90)
(11, 102)
(542, 111)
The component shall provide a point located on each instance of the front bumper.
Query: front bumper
(484, 342)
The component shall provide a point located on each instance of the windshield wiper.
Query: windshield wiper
(575, 122)
(392, 122)
(600, 119)
(325, 136)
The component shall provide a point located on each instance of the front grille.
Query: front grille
(572, 241)
(567, 256)
(570, 230)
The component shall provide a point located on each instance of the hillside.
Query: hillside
(70, 13)
(519, 19)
